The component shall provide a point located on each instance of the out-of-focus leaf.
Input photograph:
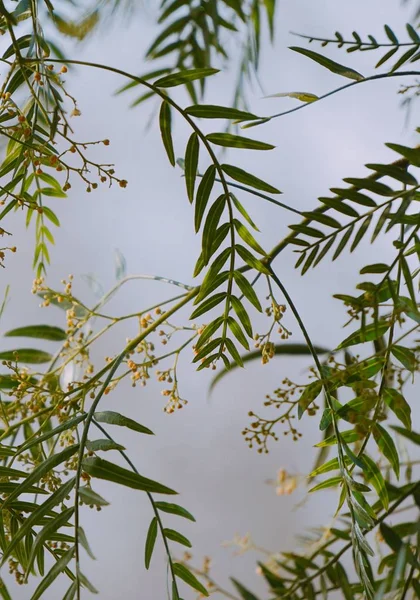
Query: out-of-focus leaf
(279, 349)
(41, 332)
(185, 574)
(29, 356)
(329, 64)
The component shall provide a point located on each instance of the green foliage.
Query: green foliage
(47, 424)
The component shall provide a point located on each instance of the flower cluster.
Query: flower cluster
(263, 341)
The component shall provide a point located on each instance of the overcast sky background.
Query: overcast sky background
(199, 451)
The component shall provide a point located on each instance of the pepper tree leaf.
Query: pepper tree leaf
(185, 574)
(174, 509)
(113, 418)
(387, 446)
(399, 406)
(329, 64)
(150, 542)
(40, 332)
(103, 469)
(185, 76)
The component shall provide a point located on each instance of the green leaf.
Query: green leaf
(219, 237)
(9, 472)
(332, 482)
(367, 334)
(251, 260)
(211, 111)
(387, 446)
(54, 572)
(340, 206)
(41, 332)
(369, 184)
(306, 230)
(42, 469)
(53, 432)
(37, 515)
(410, 435)
(344, 583)
(113, 418)
(329, 64)
(175, 536)
(174, 509)
(212, 281)
(411, 154)
(408, 279)
(191, 164)
(395, 172)
(353, 196)
(203, 195)
(322, 218)
(91, 498)
(185, 574)
(244, 177)
(208, 304)
(51, 216)
(71, 592)
(310, 393)
(413, 33)
(84, 542)
(239, 308)
(150, 541)
(231, 348)
(229, 140)
(361, 232)
(210, 226)
(302, 96)
(184, 76)
(4, 593)
(391, 35)
(103, 445)
(331, 465)
(374, 476)
(247, 237)
(237, 332)
(399, 406)
(209, 330)
(395, 543)
(9, 382)
(348, 436)
(242, 591)
(165, 124)
(376, 268)
(247, 290)
(28, 356)
(243, 212)
(102, 469)
(45, 534)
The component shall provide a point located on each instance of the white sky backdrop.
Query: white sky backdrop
(199, 451)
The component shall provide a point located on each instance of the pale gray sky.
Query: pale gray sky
(199, 451)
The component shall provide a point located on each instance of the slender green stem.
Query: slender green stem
(354, 42)
(260, 195)
(336, 91)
